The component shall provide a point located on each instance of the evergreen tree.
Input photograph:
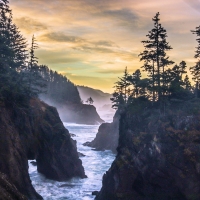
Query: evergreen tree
(187, 83)
(36, 82)
(12, 43)
(195, 70)
(59, 89)
(197, 32)
(120, 96)
(154, 56)
(176, 76)
(135, 80)
(90, 101)
(12, 58)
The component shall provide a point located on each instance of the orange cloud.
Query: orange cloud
(94, 40)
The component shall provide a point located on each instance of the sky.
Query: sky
(92, 41)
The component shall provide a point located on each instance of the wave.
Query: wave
(83, 125)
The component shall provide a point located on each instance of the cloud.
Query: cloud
(61, 37)
(88, 46)
(105, 43)
(29, 24)
(98, 37)
(56, 57)
(110, 71)
(123, 15)
(195, 4)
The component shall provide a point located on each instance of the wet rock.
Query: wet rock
(95, 193)
(81, 154)
(107, 136)
(36, 132)
(72, 135)
(34, 163)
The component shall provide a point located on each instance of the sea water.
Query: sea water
(95, 163)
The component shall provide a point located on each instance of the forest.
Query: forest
(21, 76)
(164, 84)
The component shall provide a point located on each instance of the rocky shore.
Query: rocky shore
(107, 136)
(34, 132)
(79, 113)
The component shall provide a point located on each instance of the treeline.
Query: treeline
(21, 78)
(58, 88)
(163, 83)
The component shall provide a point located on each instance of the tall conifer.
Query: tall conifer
(154, 56)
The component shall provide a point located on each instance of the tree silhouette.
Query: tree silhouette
(195, 70)
(154, 56)
(122, 92)
(90, 101)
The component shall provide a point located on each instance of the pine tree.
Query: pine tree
(177, 74)
(120, 96)
(12, 58)
(12, 43)
(187, 83)
(36, 82)
(154, 56)
(195, 70)
(197, 32)
(134, 80)
(90, 101)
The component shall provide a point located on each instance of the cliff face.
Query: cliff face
(158, 157)
(107, 136)
(8, 191)
(80, 114)
(36, 133)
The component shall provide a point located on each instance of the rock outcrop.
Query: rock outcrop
(36, 132)
(107, 136)
(79, 113)
(158, 156)
(8, 191)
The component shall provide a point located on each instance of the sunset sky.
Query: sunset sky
(92, 41)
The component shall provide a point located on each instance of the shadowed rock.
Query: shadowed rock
(158, 157)
(36, 132)
(107, 136)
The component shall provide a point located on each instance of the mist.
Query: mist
(101, 100)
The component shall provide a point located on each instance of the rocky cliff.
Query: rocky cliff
(35, 132)
(107, 136)
(158, 155)
(79, 113)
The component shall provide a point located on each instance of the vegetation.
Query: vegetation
(163, 85)
(21, 76)
(90, 101)
(58, 88)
